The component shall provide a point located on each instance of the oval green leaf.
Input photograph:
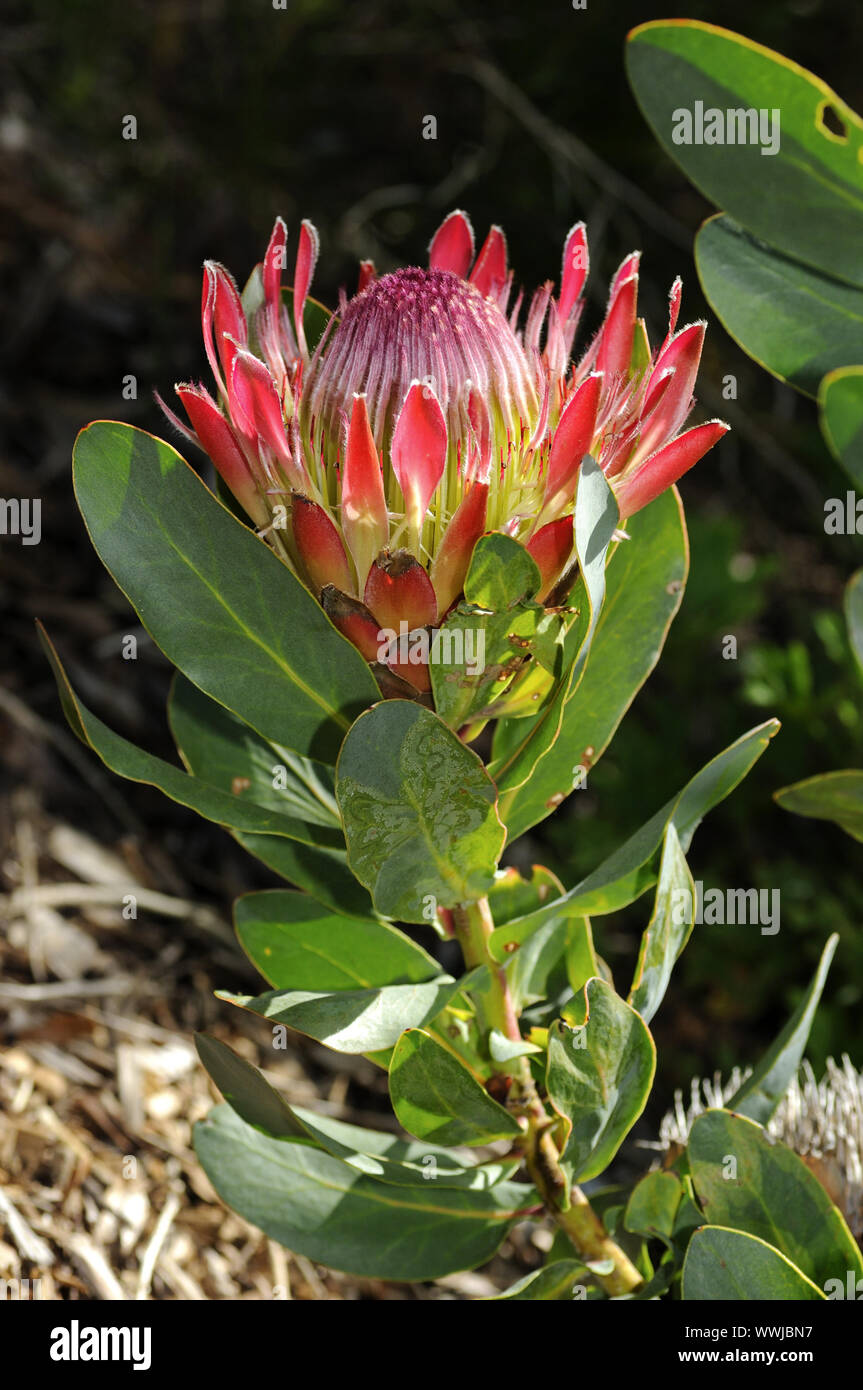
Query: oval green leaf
(353, 1020)
(598, 1078)
(418, 810)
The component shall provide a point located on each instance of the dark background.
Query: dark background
(245, 111)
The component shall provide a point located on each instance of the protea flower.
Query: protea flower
(427, 415)
(822, 1121)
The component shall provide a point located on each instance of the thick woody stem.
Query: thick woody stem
(572, 1211)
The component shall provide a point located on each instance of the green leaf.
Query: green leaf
(632, 869)
(552, 1283)
(353, 1020)
(805, 198)
(378, 1155)
(596, 517)
(504, 1049)
(315, 315)
(771, 1194)
(218, 747)
(323, 1208)
(246, 1090)
(511, 895)
(840, 402)
(796, 322)
(761, 1092)
(216, 600)
(836, 796)
(645, 578)
(734, 1267)
(476, 656)
(854, 615)
(501, 573)
(599, 1077)
(405, 1163)
(135, 764)
(653, 1204)
(435, 1097)
(668, 930)
(537, 970)
(322, 872)
(418, 810)
(297, 944)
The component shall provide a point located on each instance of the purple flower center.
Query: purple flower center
(420, 325)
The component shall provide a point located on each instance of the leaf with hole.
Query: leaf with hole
(758, 135)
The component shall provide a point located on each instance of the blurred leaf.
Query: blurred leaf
(734, 1267)
(796, 322)
(217, 601)
(761, 1092)
(668, 930)
(552, 1283)
(806, 198)
(435, 1097)
(840, 401)
(645, 581)
(419, 812)
(854, 615)
(297, 944)
(599, 1077)
(836, 796)
(321, 1207)
(653, 1205)
(771, 1194)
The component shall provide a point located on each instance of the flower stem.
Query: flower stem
(569, 1207)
